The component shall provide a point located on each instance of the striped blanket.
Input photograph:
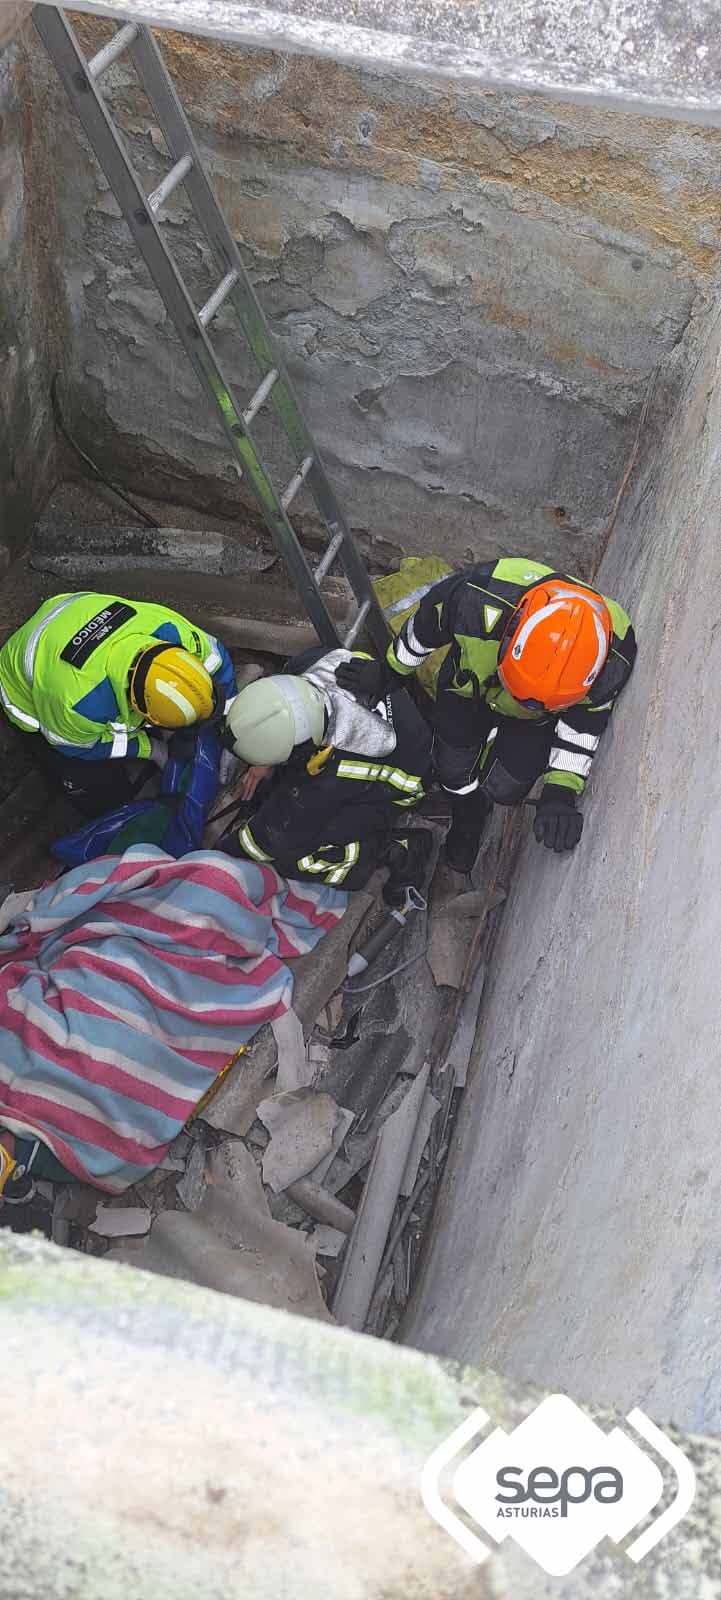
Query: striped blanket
(127, 985)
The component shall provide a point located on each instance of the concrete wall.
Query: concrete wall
(250, 1451)
(471, 290)
(579, 1231)
(29, 306)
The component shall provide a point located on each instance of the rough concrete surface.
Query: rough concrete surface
(650, 54)
(183, 1441)
(470, 290)
(30, 305)
(578, 1235)
(13, 14)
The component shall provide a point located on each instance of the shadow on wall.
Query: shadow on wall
(577, 1236)
(32, 335)
(470, 290)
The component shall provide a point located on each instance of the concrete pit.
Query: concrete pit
(477, 291)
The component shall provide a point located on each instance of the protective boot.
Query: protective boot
(469, 815)
(408, 862)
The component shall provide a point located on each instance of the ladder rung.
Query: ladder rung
(260, 396)
(79, 76)
(326, 561)
(213, 305)
(169, 183)
(110, 51)
(356, 625)
(296, 483)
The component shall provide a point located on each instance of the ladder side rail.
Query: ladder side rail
(160, 89)
(175, 127)
(349, 557)
(62, 46)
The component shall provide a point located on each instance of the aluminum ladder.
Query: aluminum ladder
(82, 79)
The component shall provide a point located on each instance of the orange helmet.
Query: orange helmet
(555, 645)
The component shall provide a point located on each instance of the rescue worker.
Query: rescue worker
(533, 666)
(92, 675)
(336, 777)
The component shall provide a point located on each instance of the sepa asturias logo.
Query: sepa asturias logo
(557, 1485)
(548, 1494)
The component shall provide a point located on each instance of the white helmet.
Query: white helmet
(271, 716)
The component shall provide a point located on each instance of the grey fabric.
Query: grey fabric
(350, 725)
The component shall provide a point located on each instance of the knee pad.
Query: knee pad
(502, 788)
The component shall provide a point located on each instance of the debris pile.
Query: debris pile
(305, 1180)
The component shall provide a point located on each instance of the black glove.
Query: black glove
(558, 824)
(365, 679)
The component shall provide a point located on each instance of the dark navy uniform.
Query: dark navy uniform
(329, 815)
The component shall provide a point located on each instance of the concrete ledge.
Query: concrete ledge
(652, 57)
(163, 1439)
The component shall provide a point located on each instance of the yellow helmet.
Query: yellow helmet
(170, 687)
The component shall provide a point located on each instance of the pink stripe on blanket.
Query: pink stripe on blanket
(217, 875)
(255, 973)
(213, 940)
(307, 908)
(79, 1064)
(67, 996)
(52, 1114)
(32, 1128)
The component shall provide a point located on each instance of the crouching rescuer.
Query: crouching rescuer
(98, 678)
(533, 663)
(335, 777)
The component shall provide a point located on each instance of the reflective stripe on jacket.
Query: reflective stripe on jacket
(460, 622)
(64, 673)
(319, 814)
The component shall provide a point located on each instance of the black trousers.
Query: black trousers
(373, 851)
(94, 787)
(505, 763)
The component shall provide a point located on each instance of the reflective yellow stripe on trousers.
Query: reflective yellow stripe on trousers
(334, 872)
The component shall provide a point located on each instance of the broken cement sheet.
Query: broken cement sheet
(452, 909)
(360, 1146)
(115, 1222)
(461, 1046)
(447, 935)
(176, 1157)
(367, 1243)
(177, 963)
(343, 1126)
(320, 1203)
(326, 1241)
(419, 1141)
(295, 1069)
(470, 904)
(232, 1244)
(315, 978)
(301, 1125)
(192, 1185)
(361, 1076)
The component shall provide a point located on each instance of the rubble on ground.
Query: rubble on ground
(307, 1176)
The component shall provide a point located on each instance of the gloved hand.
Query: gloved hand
(159, 753)
(366, 680)
(557, 823)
